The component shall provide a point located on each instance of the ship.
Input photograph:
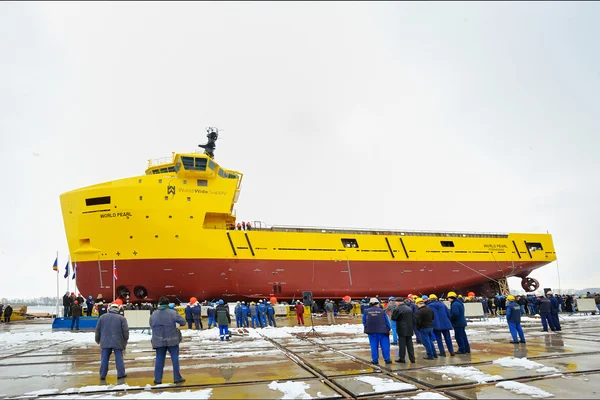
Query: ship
(174, 232)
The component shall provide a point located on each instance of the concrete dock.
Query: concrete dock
(292, 362)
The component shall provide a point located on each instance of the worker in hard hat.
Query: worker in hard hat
(459, 323)
(377, 327)
(425, 325)
(389, 310)
(441, 325)
(513, 317)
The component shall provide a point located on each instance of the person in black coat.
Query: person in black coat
(7, 313)
(425, 326)
(403, 315)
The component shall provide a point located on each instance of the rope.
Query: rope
(465, 265)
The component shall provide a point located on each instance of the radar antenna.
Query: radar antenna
(209, 148)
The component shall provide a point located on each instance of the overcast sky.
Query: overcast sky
(475, 116)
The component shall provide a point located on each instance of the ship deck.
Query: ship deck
(333, 364)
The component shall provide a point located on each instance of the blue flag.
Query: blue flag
(55, 265)
(66, 270)
(74, 270)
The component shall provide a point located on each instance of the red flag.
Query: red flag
(115, 277)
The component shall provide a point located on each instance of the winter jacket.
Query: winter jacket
(441, 316)
(457, 314)
(403, 316)
(210, 313)
(253, 310)
(238, 311)
(270, 310)
(76, 310)
(425, 317)
(102, 309)
(66, 301)
(8, 311)
(329, 307)
(164, 329)
(222, 315)
(261, 308)
(112, 331)
(545, 306)
(375, 320)
(188, 313)
(390, 308)
(513, 312)
(299, 309)
(244, 311)
(90, 303)
(196, 310)
(553, 305)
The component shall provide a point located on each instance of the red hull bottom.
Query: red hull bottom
(180, 279)
(243, 279)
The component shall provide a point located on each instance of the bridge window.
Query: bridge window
(447, 243)
(200, 164)
(188, 162)
(96, 201)
(534, 246)
(350, 243)
(211, 164)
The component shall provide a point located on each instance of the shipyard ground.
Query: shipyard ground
(281, 363)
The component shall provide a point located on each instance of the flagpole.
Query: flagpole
(57, 295)
(113, 285)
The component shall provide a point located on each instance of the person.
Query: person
(223, 320)
(211, 315)
(329, 310)
(248, 226)
(391, 306)
(554, 311)
(1, 310)
(188, 315)
(102, 309)
(425, 317)
(300, 312)
(196, 313)
(90, 306)
(459, 323)
(239, 226)
(403, 317)
(67, 305)
(7, 313)
(243, 225)
(75, 314)
(363, 306)
(237, 311)
(254, 315)
(377, 327)
(271, 314)
(545, 307)
(166, 337)
(513, 318)
(262, 310)
(441, 325)
(112, 334)
(413, 306)
(244, 314)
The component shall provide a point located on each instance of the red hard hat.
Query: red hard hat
(72, 292)
(76, 302)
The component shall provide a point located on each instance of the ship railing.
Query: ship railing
(159, 161)
(285, 228)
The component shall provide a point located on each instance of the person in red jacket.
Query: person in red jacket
(300, 312)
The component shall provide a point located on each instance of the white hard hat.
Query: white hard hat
(374, 300)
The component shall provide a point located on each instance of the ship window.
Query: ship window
(177, 166)
(534, 246)
(188, 162)
(211, 164)
(350, 243)
(171, 169)
(155, 171)
(185, 182)
(447, 243)
(232, 176)
(95, 201)
(200, 164)
(160, 181)
(166, 197)
(163, 170)
(202, 182)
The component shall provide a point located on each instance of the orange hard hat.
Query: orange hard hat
(193, 300)
(118, 301)
(471, 294)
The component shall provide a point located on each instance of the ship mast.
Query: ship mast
(209, 148)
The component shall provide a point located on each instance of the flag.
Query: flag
(74, 270)
(55, 265)
(115, 277)
(67, 270)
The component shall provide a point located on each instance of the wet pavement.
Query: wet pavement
(285, 362)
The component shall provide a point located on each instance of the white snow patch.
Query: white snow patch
(521, 388)
(429, 395)
(41, 392)
(384, 384)
(11, 339)
(524, 363)
(291, 390)
(470, 373)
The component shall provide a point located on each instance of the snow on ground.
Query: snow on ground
(521, 388)
(41, 392)
(291, 390)
(429, 395)
(470, 373)
(384, 384)
(11, 339)
(188, 394)
(523, 363)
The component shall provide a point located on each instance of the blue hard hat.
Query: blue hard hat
(327, 300)
(391, 298)
(220, 301)
(90, 297)
(172, 305)
(363, 301)
(424, 297)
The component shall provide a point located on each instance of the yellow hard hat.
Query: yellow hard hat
(415, 296)
(252, 303)
(418, 300)
(433, 297)
(451, 294)
(468, 297)
(460, 296)
(510, 297)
